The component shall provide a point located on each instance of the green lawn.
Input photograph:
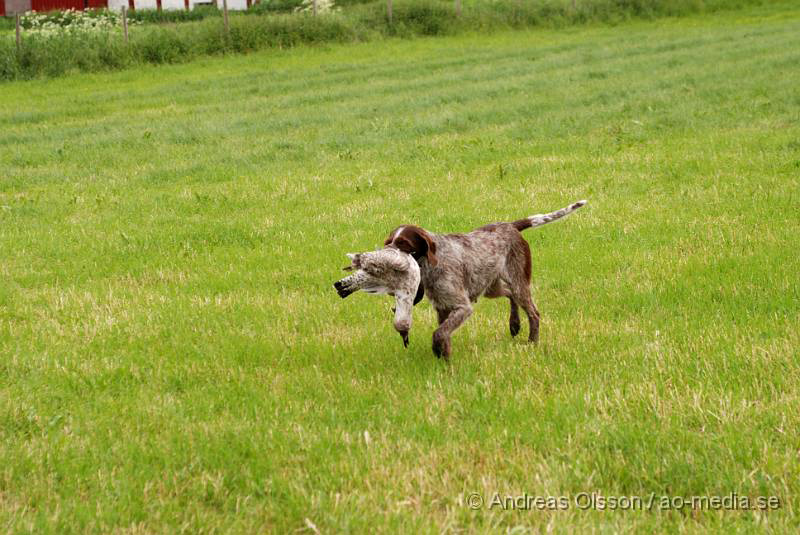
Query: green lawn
(173, 357)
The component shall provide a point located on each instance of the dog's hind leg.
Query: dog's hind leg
(500, 289)
(533, 316)
(517, 278)
(513, 320)
(521, 294)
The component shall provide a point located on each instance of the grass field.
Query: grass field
(173, 357)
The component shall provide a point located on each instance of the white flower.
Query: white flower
(70, 22)
(323, 6)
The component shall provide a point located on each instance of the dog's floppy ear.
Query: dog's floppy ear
(422, 244)
(420, 293)
(414, 241)
(430, 247)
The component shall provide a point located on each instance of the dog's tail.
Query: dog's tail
(541, 219)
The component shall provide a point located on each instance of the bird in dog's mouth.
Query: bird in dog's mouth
(385, 271)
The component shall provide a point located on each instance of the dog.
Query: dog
(456, 269)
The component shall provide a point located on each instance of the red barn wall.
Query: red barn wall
(50, 5)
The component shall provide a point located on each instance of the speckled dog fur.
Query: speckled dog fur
(457, 269)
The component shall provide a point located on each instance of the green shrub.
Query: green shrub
(268, 27)
(54, 56)
(6, 23)
(162, 45)
(252, 33)
(154, 16)
(344, 4)
(275, 6)
(9, 64)
(421, 17)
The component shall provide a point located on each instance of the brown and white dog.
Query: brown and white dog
(457, 269)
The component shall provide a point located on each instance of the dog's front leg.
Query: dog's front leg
(441, 336)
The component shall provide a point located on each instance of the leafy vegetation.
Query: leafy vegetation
(201, 31)
(154, 16)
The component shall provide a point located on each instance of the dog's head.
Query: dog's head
(386, 271)
(415, 241)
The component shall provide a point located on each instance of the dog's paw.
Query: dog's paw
(441, 345)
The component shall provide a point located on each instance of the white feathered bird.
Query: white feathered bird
(385, 271)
